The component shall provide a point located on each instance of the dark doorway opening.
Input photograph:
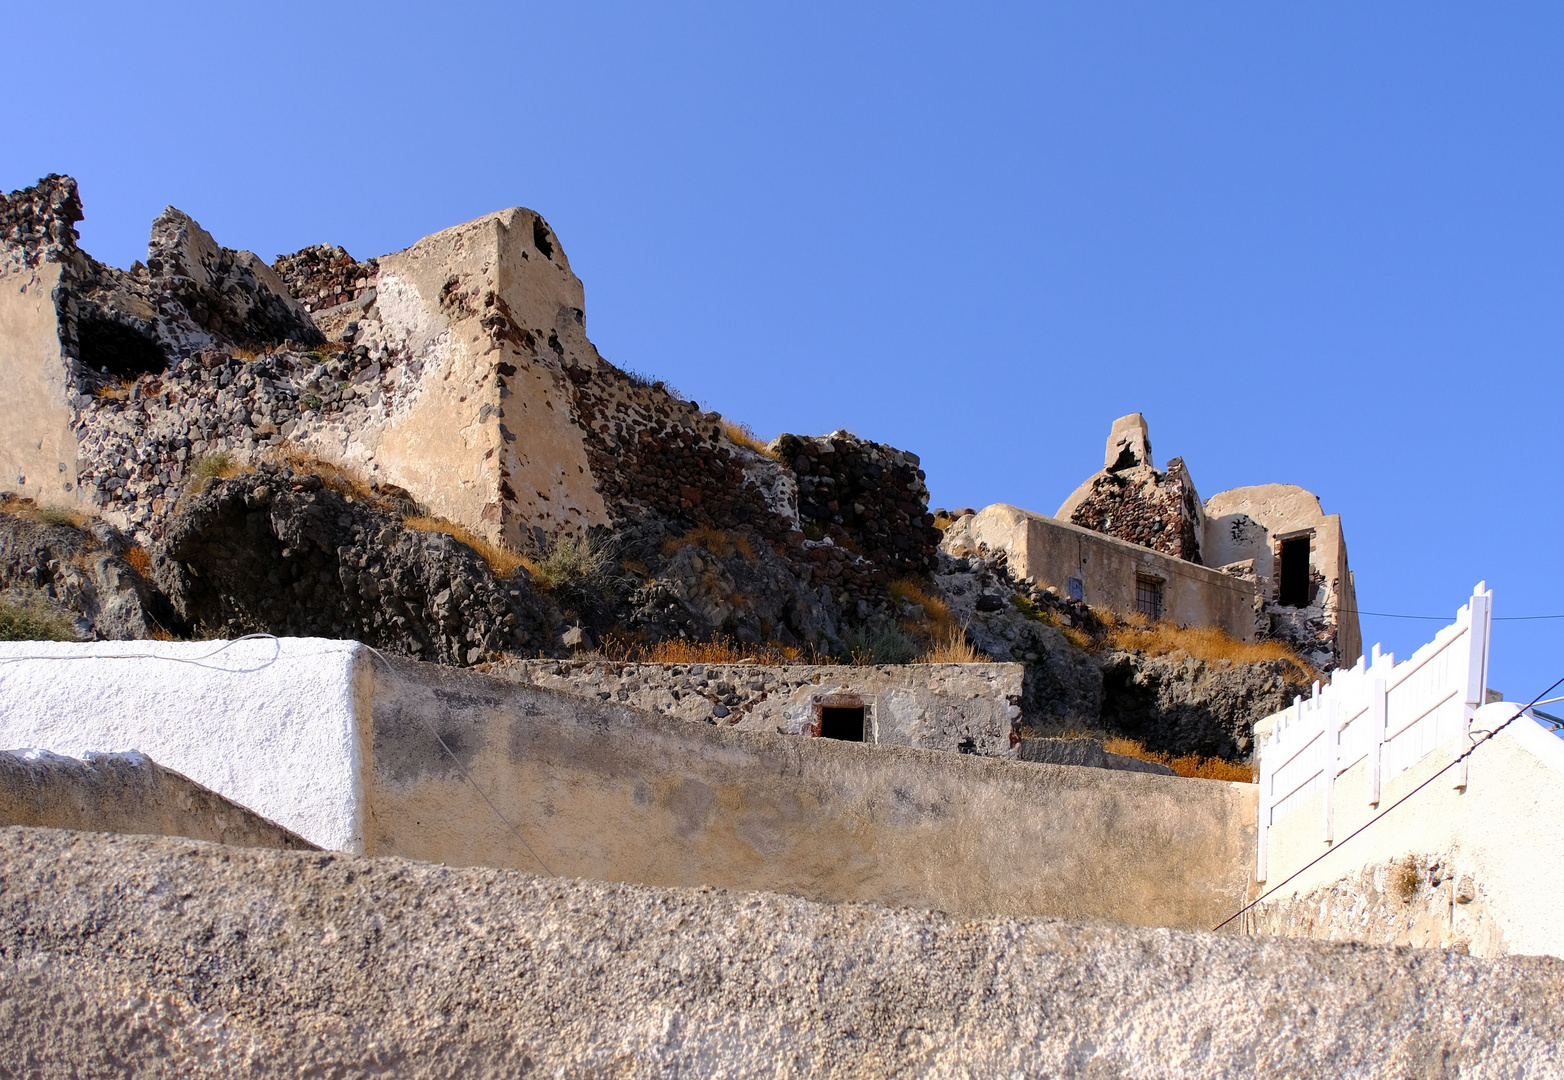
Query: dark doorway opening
(839, 722)
(116, 349)
(1295, 573)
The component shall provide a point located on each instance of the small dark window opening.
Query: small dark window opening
(116, 349)
(837, 722)
(540, 238)
(1148, 598)
(1295, 573)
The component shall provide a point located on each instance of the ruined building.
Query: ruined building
(1259, 562)
(455, 381)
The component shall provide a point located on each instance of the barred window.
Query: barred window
(1148, 598)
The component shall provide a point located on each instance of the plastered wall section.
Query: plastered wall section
(602, 791)
(37, 447)
(1051, 551)
(1501, 832)
(487, 436)
(955, 707)
(279, 727)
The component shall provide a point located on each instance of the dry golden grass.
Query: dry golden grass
(716, 541)
(950, 646)
(934, 609)
(44, 515)
(1190, 765)
(159, 634)
(719, 650)
(503, 563)
(342, 481)
(220, 464)
(114, 391)
(138, 557)
(1208, 643)
(744, 435)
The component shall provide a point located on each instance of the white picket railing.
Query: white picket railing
(1393, 714)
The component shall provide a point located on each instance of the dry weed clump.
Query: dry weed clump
(140, 560)
(744, 435)
(344, 482)
(503, 563)
(719, 650)
(716, 541)
(29, 510)
(950, 646)
(220, 465)
(1210, 643)
(1191, 765)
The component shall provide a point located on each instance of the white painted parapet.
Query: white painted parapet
(276, 725)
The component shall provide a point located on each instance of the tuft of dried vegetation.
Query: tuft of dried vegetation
(720, 650)
(503, 563)
(951, 646)
(744, 435)
(220, 465)
(1191, 765)
(1404, 878)
(29, 510)
(716, 541)
(140, 560)
(1135, 633)
(29, 615)
(343, 481)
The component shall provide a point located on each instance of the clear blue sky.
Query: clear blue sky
(1318, 244)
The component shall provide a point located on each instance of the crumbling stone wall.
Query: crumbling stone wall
(1146, 507)
(966, 708)
(325, 276)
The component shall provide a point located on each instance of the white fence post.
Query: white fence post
(1331, 735)
(1379, 701)
(1479, 621)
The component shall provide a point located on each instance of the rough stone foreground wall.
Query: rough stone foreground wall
(127, 793)
(969, 708)
(220, 962)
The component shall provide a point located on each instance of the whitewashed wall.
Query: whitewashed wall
(276, 725)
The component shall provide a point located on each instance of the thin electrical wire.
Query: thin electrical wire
(458, 761)
(1487, 736)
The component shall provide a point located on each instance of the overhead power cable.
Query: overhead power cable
(1382, 814)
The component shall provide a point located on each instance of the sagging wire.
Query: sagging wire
(1487, 735)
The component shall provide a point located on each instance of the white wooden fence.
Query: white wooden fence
(1392, 714)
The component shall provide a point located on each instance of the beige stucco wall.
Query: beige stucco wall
(37, 447)
(1500, 836)
(1050, 551)
(1285, 511)
(603, 791)
(495, 449)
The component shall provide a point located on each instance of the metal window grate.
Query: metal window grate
(1148, 598)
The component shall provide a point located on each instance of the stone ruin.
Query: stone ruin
(451, 382)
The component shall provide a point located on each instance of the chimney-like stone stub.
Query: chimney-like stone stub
(1129, 444)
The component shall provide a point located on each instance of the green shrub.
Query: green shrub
(886, 643)
(27, 615)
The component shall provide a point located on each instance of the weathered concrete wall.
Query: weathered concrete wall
(37, 446)
(607, 793)
(969, 708)
(1488, 861)
(173, 958)
(1250, 523)
(348, 752)
(126, 793)
(1052, 551)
